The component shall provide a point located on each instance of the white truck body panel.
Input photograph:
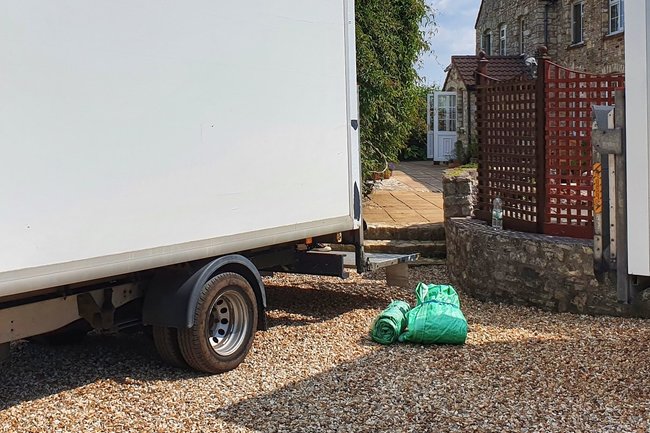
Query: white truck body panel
(637, 81)
(137, 134)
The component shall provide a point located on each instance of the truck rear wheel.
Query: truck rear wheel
(224, 325)
(166, 341)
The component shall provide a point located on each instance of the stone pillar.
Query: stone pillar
(460, 189)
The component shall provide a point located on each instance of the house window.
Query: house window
(577, 19)
(486, 42)
(522, 37)
(461, 104)
(502, 40)
(447, 113)
(616, 16)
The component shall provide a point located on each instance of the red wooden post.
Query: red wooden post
(540, 119)
(484, 209)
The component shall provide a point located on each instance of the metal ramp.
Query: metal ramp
(396, 265)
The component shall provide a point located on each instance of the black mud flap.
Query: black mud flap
(4, 351)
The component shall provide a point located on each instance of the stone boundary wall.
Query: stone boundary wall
(460, 189)
(549, 272)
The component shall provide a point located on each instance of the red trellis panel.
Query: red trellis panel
(569, 96)
(534, 133)
(508, 151)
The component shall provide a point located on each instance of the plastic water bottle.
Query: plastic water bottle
(497, 213)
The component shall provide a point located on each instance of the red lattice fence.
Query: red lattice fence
(569, 96)
(537, 132)
(508, 151)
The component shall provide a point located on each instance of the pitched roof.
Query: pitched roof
(499, 67)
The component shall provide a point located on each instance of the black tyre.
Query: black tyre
(224, 325)
(166, 342)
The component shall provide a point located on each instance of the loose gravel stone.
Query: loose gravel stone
(315, 369)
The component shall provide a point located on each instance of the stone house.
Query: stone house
(584, 35)
(461, 79)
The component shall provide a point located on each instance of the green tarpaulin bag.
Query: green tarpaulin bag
(390, 323)
(437, 318)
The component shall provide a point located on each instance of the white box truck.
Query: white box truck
(628, 144)
(157, 156)
(637, 113)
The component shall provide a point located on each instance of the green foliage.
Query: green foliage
(472, 150)
(466, 154)
(391, 34)
(416, 143)
(459, 152)
(414, 151)
(460, 171)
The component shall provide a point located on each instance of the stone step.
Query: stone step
(429, 261)
(436, 249)
(432, 249)
(419, 232)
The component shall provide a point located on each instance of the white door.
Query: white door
(443, 124)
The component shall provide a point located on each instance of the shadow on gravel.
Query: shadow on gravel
(36, 370)
(526, 385)
(294, 306)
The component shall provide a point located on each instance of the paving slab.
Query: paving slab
(413, 195)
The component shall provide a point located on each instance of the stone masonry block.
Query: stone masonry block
(508, 266)
(448, 188)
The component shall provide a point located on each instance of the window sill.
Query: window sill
(615, 35)
(575, 46)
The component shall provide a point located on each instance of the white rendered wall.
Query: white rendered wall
(129, 125)
(637, 77)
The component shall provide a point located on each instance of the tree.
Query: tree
(391, 34)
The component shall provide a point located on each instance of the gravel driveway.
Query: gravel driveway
(316, 370)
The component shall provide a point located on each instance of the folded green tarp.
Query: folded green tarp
(436, 318)
(390, 323)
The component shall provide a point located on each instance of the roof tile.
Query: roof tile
(499, 67)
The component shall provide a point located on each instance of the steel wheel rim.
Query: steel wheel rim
(228, 323)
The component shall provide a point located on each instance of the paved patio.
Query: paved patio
(413, 195)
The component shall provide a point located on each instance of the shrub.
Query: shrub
(391, 34)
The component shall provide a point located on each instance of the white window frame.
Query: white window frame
(616, 24)
(460, 101)
(503, 40)
(574, 39)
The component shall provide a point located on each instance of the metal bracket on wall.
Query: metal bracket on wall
(608, 142)
(608, 138)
